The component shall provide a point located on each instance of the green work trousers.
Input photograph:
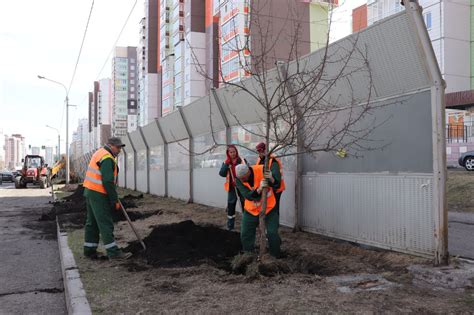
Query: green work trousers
(248, 229)
(99, 224)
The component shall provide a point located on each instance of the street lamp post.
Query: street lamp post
(67, 123)
(59, 142)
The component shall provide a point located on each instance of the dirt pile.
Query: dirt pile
(73, 208)
(186, 244)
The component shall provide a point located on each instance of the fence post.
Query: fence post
(228, 134)
(165, 155)
(147, 160)
(191, 154)
(299, 146)
(134, 162)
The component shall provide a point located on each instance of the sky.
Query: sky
(43, 38)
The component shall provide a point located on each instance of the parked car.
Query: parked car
(466, 160)
(214, 160)
(7, 176)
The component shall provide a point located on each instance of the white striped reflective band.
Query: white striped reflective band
(91, 244)
(95, 181)
(231, 216)
(92, 170)
(113, 244)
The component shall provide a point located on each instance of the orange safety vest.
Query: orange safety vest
(93, 179)
(282, 182)
(254, 207)
(227, 178)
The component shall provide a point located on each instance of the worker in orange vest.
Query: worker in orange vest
(101, 199)
(250, 183)
(277, 171)
(228, 171)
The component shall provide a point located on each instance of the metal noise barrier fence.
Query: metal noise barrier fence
(391, 198)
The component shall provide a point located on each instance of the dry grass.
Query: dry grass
(135, 288)
(459, 190)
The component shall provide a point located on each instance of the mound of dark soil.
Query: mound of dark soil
(186, 244)
(73, 208)
(130, 201)
(76, 195)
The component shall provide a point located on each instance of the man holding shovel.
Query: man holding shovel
(101, 199)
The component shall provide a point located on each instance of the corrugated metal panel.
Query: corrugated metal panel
(128, 145)
(394, 56)
(201, 113)
(130, 173)
(287, 201)
(121, 176)
(142, 181)
(388, 211)
(178, 184)
(173, 127)
(157, 182)
(209, 187)
(137, 140)
(152, 134)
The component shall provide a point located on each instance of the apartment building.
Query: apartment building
(124, 91)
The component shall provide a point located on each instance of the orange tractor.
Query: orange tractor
(34, 171)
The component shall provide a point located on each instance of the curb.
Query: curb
(76, 300)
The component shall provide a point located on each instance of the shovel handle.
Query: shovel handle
(131, 225)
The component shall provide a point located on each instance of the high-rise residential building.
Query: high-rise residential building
(2, 150)
(254, 29)
(124, 91)
(49, 156)
(182, 50)
(149, 66)
(170, 30)
(35, 150)
(81, 137)
(105, 110)
(15, 151)
(94, 140)
(203, 42)
(448, 24)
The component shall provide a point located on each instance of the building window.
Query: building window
(132, 89)
(132, 81)
(428, 20)
(132, 95)
(132, 60)
(132, 74)
(133, 67)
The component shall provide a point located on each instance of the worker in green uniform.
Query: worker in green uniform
(276, 168)
(101, 199)
(228, 171)
(250, 183)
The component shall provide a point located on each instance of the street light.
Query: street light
(59, 141)
(67, 123)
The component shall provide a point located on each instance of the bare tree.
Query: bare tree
(298, 105)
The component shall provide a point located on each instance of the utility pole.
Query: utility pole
(67, 123)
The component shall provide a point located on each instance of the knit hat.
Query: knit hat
(261, 146)
(241, 170)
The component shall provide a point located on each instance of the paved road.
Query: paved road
(461, 234)
(30, 270)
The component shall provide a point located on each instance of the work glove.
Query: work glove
(117, 206)
(263, 184)
(269, 176)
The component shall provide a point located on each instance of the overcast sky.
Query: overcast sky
(43, 37)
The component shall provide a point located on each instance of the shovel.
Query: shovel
(131, 225)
